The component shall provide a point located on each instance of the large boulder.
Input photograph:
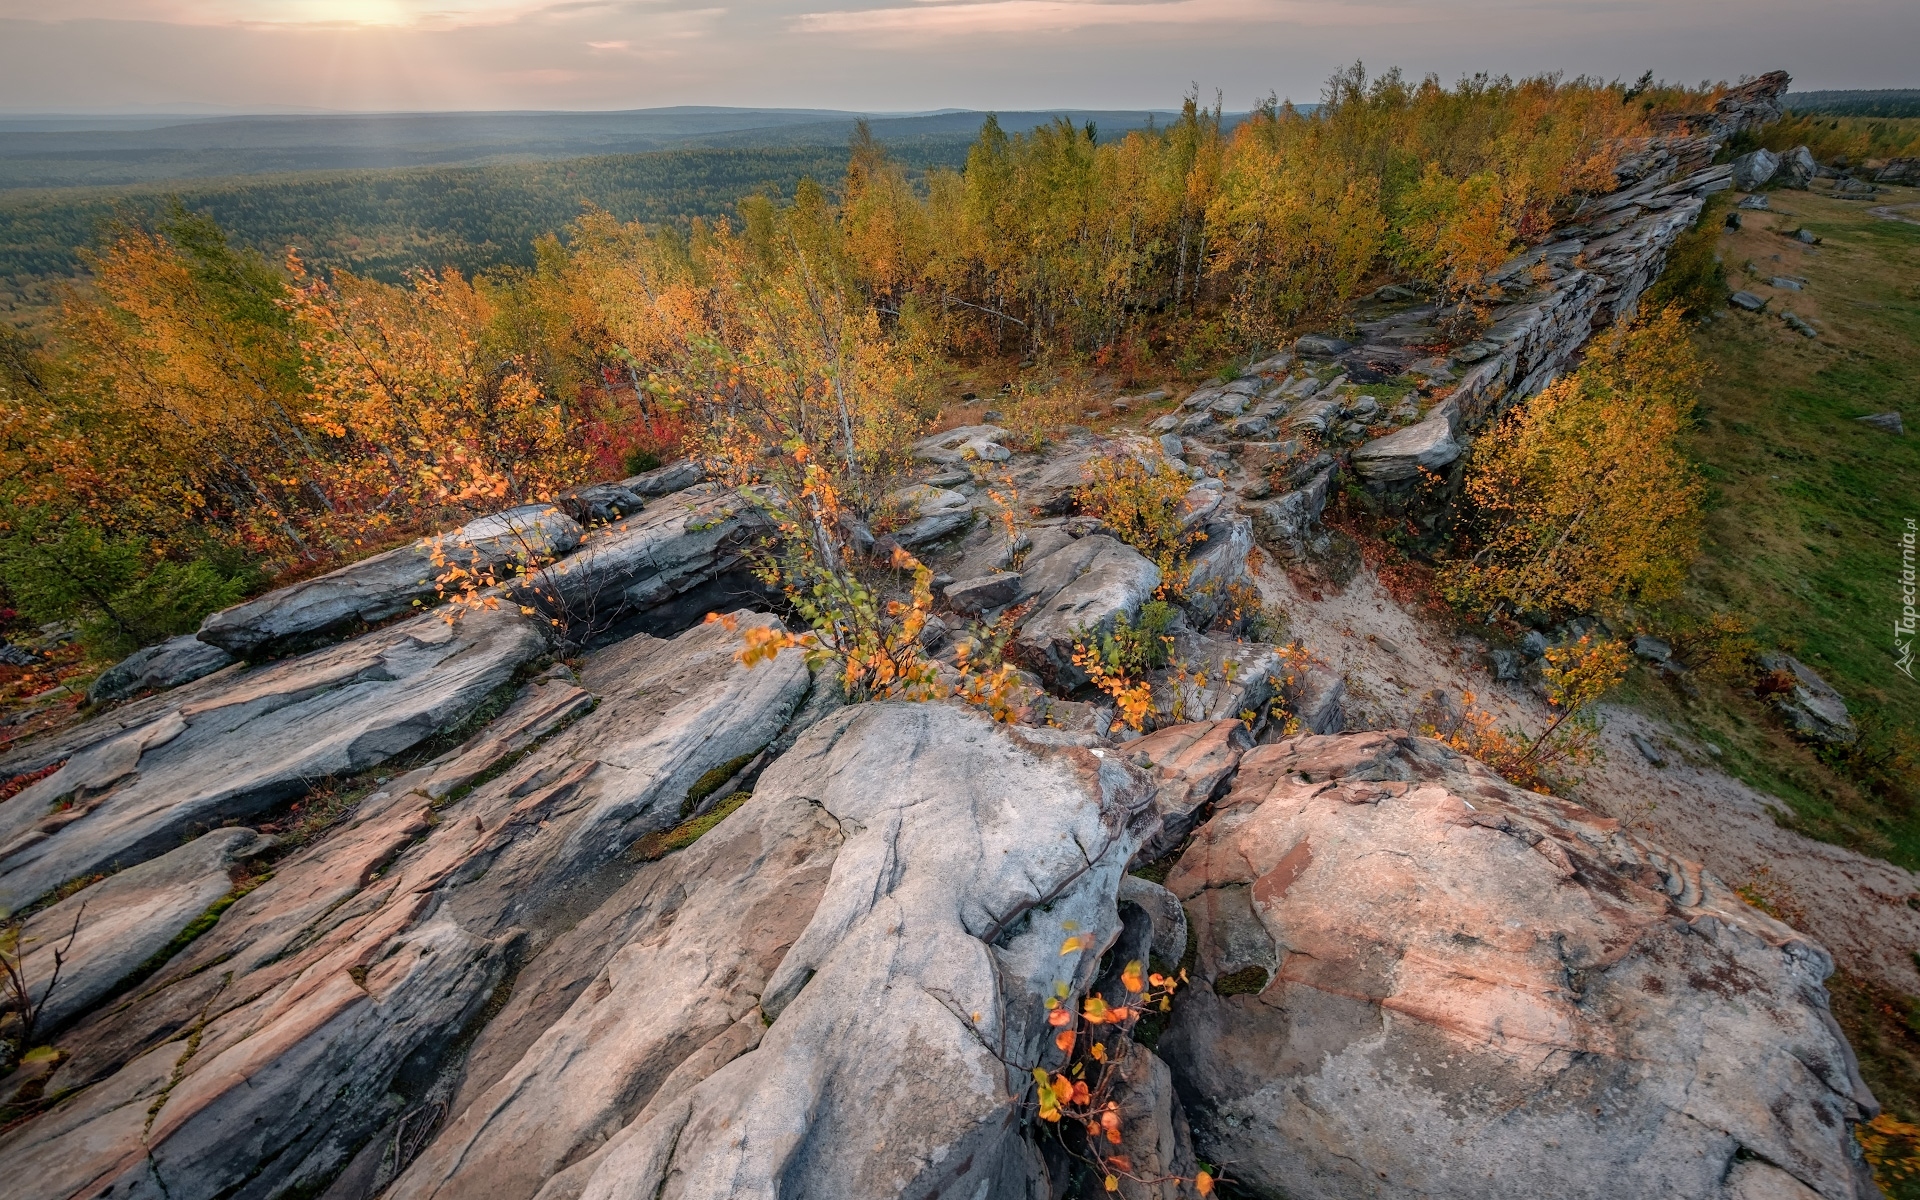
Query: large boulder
(169, 664)
(1078, 591)
(1798, 168)
(906, 1012)
(388, 584)
(98, 938)
(1416, 980)
(265, 1057)
(263, 738)
(1754, 171)
(1809, 703)
(1402, 455)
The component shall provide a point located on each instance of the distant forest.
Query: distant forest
(1886, 102)
(382, 223)
(513, 178)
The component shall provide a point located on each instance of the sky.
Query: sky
(889, 55)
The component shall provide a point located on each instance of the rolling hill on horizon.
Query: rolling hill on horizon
(64, 151)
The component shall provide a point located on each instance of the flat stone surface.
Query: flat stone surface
(388, 584)
(1415, 979)
(264, 738)
(106, 931)
(972, 850)
(1080, 587)
(1400, 455)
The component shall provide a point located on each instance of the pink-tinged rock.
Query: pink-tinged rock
(1414, 979)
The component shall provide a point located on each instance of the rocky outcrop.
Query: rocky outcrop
(929, 514)
(166, 665)
(972, 852)
(104, 934)
(1808, 703)
(1290, 524)
(1189, 763)
(1077, 590)
(1755, 170)
(1414, 979)
(389, 584)
(669, 552)
(359, 964)
(264, 737)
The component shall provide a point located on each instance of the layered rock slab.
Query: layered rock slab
(388, 584)
(1076, 590)
(972, 851)
(688, 945)
(1414, 979)
(262, 738)
(108, 931)
(296, 1029)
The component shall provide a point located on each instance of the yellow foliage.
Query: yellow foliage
(1144, 507)
(1583, 499)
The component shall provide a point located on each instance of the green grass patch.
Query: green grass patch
(1807, 504)
(712, 782)
(659, 845)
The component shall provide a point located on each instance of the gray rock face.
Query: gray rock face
(1754, 171)
(1316, 345)
(972, 851)
(1080, 587)
(663, 481)
(1747, 301)
(1224, 678)
(965, 444)
(1903, 172)
(984, 593)
(599, 503)
(1797, 167)
(1291, 522)
(1886, 422)
(1400, 455)
(1404, 992)
(368, 953)
(385, 585)
(260, 740)
(931, 513)
(1811, 706)
(1218, 565)
(116, 925)
(173, 662)
(679, 543)
(688, 945)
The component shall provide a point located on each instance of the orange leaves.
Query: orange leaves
(1133, 699)
(1079, 1099)
(413, 407)
(1203, 1183)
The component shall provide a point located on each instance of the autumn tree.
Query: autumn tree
(1582, 499)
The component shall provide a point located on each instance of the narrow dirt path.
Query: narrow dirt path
(1855, 905)
(1892, 212)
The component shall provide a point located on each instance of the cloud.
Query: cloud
(936, 18)
(889, 55)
